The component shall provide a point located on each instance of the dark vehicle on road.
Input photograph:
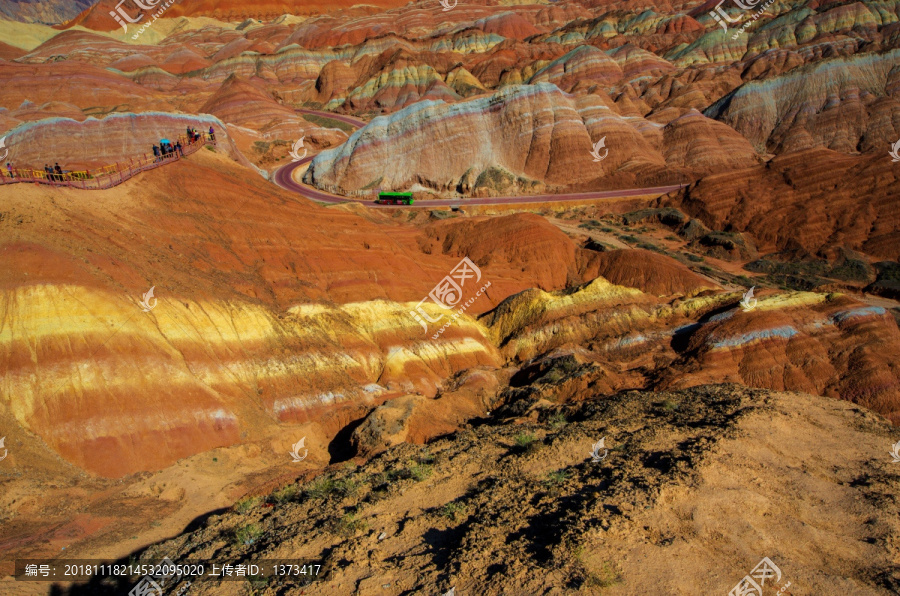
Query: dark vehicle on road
(394, 198)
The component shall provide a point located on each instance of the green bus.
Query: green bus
(394, 198)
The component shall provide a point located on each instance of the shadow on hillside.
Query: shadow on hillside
(121, 586)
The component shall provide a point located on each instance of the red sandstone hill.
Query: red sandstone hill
(651, 272)
(814, 200)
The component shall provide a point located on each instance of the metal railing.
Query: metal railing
(107, 176)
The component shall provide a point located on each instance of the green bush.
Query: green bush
(523, 440)
(248, 534)
(246, 504)
(451, 510)
(285, 494)
(557, 420)
(556, 478)
(320, 488)
(419, 471)
(349, 525)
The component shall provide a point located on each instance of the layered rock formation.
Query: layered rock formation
(810, 107)
(521, 136)
(50, 12)
(813, 200)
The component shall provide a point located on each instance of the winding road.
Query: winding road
(284, 177)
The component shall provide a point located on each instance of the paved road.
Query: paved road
(283, 178)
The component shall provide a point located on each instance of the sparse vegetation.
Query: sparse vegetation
(556, 478)
(246, 504)
(248, 534)
(285, 494)
(451, 510)
(744, 281)
(648, 246)
(557, 420)
(350, 524)
(320, 488)
(346, 487)
(326, 122)
(524, 440)
(670, 405)
(419, 471)
(606, 577)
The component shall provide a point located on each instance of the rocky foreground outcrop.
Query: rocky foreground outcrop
(708, 480)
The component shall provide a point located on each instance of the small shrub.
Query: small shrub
(419, 472)
(524, 440)
(556, 478)
(349, 525)
(320, 487)
(451, 510)
(670, 405)
(248, 534)
(346, 487)
(246, 504)
(557, 420)
(285, 494)
(605, 578)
